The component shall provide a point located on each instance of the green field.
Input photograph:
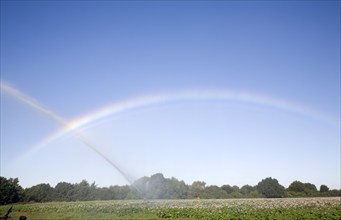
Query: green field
(288, 208)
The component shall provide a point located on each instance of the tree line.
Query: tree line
(154, 187)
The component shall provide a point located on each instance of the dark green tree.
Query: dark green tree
(270, 188)
(232, 191)
(228, 189)
(310, 186)
(215, 192)
(40, 193)
(120, 192)
(296, 186)
(246, 189)
(299, 189)
(10, 191)
(310, 189)
(82, 191)
(64, 191)
(324, 188)
(236, 192)
(334, 192)
(104, 193)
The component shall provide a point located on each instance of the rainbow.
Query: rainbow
(5, 87)
(169, 98)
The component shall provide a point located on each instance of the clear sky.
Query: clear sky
(266, 77)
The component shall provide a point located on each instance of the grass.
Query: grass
(295, 208)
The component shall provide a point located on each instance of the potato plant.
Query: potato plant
(294, 208)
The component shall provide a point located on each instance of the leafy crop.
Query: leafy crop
(304, 208)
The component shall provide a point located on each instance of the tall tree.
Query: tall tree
(40, 193)
(246, 190)
(299, 189)
(324, 188)
(228, 189)
(82, 191)
(64, 191)
(296, 186)
(10, 191)
(215, 192)
(270, 188)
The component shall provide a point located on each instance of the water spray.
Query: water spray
(5, 87)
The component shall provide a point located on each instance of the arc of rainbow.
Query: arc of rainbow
(166, 98)
(73, 127)
(76, 132)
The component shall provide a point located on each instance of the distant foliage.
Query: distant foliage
(159, 187)
(154, 187)
(40, 193)
(299, 189)
(10, 191)
(324, 189)
(270, 188)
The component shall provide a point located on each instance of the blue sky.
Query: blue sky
(77, 57)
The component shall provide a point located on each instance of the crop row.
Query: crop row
(305, 208)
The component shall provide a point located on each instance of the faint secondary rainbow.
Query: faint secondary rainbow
(169, 98)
